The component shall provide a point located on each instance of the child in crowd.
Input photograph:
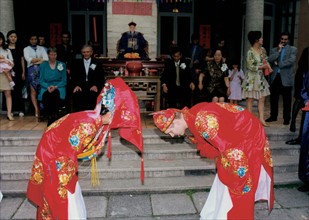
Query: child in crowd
(6, 67)
(236, 76)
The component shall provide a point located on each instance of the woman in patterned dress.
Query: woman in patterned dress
(34, 56)
(255, 86)
(234, 138)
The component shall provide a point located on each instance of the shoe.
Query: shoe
(304, 188)
(12, 84)
(286, 123)
(10, 117)
(293, 142)
(21, 114)
(292, 127)
(270, 119)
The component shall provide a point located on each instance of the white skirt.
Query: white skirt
(76, 204)
(219, 201)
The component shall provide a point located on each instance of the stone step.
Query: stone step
(150, 135)
(120, 169)
(134, 186)
(119, 152)
(126, 151)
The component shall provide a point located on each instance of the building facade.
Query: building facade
(161, 21)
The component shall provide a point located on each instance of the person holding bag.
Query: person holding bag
(255, 86)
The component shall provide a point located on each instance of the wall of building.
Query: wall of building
(117, 24)
(303, 26)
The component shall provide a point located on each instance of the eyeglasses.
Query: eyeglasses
(284, 38)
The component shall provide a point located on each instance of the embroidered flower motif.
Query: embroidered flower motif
(45, 211)
(231, 108)
(183, 66)
(64, 179)
(236, 161)
(267, 154)
(74, 140)
(82, 135)
(37, 174)
(62, 192)
(224, 67)
(93, 66)
(60, 66)
(246, 189)
(207, 125)
(241, 171)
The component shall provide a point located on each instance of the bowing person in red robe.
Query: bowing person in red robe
(53, 186)
(236, 140)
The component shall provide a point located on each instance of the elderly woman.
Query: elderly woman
(213, 82)
(53, 80)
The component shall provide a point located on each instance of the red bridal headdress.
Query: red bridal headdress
(164, 118)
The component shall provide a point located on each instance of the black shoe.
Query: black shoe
(270, 119)
(292, 127)
(293, 141)
(286, 123)
(304, 188)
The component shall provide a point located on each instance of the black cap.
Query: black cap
(132, 23)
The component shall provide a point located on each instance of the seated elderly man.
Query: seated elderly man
(134, 42)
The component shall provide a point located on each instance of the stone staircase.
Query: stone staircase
(171, 165)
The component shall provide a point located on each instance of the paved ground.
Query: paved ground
(289, 204)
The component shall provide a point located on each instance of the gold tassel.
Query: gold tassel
(95, 181)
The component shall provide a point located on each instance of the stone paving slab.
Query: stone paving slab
(26, 211)
(199, 200)
(171, 204)
(8, 207)
(96, 206)
(129, 206)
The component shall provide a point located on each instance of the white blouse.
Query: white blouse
(30, 53)
(6, 53)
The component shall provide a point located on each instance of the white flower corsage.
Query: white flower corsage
(224, 67)
(183, 66)
(93, 66)
(60, 67)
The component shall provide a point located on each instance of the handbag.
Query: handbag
(266, 71)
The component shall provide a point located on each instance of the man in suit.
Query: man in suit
(303, 67)
(195, 55)
(66, 53)
(177, 83)
(87, 80)
(282, 58)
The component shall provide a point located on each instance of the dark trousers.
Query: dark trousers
(178, 97)
(85, 100)
(51, 103)
(303, 167)
(277, 89)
